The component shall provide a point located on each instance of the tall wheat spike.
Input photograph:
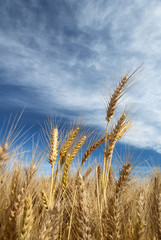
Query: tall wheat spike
(53, 146)
(111, 106)
(52, 159)
(11, 231)
(110, 111)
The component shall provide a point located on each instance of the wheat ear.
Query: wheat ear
(112, 213)
(118, 132)
(52, 159)
(87, 173)
(72, 155)
(65, 177)
(111, 180)
(124, 177)
(10, 231)
(69, 160)
(98, 197)
(98, 182)
(91, 149)
(138, 230)
(4, 156)
(110, 112)
(53, 146)
(114, 98)
(112, 219)
(50, 227)
(112, 140)
(14, 183)
(66, 147)
(44, 200)
(27, 220)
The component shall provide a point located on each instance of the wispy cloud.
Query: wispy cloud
(59, 56)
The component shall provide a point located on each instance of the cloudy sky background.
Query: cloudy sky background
(58, 57)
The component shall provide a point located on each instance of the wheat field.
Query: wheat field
(93, 204)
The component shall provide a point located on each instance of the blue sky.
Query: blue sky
(58, 57)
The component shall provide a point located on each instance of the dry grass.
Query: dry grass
(95, 204)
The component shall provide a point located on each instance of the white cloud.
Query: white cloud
(112, 36)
